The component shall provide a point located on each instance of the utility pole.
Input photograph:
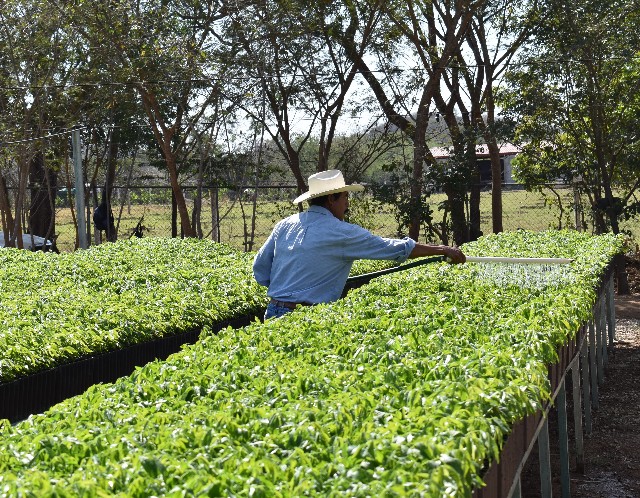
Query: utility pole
(79, 182)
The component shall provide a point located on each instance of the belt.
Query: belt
(287, 304)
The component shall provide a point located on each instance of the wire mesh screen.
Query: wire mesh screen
(244, 217)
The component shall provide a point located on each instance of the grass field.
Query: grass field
(521, 209)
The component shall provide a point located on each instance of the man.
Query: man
(308, 256)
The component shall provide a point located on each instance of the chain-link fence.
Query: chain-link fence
(244, 217)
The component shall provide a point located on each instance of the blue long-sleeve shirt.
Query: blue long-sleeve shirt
(308, 256)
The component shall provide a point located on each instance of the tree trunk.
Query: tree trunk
(496, 185)
(174, 215)
(196, 218)
(599, 221)
(419, 154)
(181, 205)
(215, 215)
(474, 206)
(621, 276)
(5, 208)
(42, 213)
(112, 233)
(164, 136)
(293, 158)
(23, 176)
(455, 198)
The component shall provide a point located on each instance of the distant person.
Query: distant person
(103, 218)
(308, 256)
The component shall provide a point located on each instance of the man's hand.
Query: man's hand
(451, 254)
(454, 255)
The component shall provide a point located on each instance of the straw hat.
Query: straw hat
(327, 182)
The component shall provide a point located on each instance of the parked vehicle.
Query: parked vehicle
(32, 242)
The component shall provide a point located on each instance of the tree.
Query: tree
(296, 77)
(36, 63)
(163, 51)
(576, 103)
(466, 102)
(433, 32)
(113, 130)
(575, 99)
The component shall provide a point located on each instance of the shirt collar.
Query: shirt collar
(319, 210)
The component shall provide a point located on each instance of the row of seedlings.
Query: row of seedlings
(73, 320)
(583, 360)
(409, 385)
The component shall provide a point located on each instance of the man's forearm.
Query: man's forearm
(452, 253)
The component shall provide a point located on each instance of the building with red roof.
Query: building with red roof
(507, 153)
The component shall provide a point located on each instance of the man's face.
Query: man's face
(339, 206)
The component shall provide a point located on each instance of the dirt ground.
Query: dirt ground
(612, 450)
(612, 458)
